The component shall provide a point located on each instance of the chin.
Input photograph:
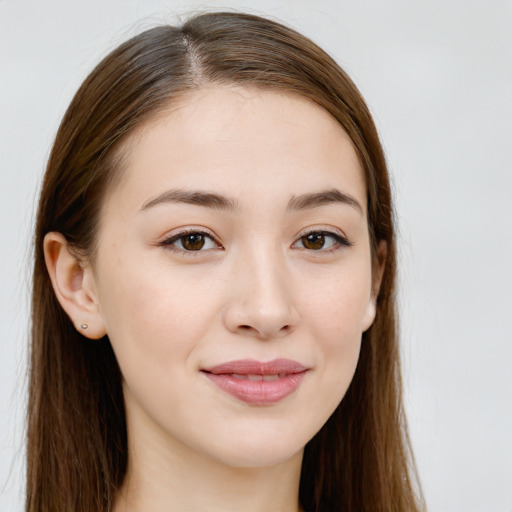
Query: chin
(258, 458)
(261, 449)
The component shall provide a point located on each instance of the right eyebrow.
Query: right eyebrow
(196, 197)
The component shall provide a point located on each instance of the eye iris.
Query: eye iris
(314, 241)
(193, 242)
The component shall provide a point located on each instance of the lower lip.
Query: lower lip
(258, 392)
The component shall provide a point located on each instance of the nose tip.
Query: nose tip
(262, 305)
(260, 325)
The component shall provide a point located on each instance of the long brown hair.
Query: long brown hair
(77, 446)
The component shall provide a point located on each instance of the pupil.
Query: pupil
(313, 241)
(193, 242)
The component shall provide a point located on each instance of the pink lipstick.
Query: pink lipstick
(258, 383)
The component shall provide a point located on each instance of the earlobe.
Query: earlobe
(73, 284)
(377, 274)
(370, 314)
(378, 271)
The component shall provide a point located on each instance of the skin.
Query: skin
(256, 290)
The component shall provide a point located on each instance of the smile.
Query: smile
(258, 383)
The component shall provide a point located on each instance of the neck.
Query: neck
(166, 476)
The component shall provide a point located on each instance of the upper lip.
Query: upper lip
(252, 367)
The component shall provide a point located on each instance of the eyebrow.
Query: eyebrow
(220, 202)
(198, 198)
(325, 197)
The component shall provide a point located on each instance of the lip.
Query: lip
(256, 382)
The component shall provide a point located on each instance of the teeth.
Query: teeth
(255, 377)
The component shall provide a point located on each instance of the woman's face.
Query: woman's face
(233, 275)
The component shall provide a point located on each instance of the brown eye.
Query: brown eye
(313, 241)
(193, 242)
(321, 241)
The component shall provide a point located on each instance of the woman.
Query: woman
(213, 304)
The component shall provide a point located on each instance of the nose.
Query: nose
(262, 302)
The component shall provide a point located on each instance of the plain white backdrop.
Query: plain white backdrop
(438, 78)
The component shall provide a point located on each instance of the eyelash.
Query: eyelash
(168, 242)
(340, 241)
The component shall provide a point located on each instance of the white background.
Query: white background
(438, 78)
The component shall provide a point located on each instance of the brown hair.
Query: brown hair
(77, 447)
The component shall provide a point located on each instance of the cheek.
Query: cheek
(337, 316)
(154, 315)
(338, 310)
(155, 320)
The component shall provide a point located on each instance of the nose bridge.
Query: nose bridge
(263, 302)
(267, 271)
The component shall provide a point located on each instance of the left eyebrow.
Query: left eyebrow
(325, 197)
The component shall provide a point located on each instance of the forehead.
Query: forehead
(240, 141)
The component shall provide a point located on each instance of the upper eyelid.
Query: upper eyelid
(322, 229)
(177, 234)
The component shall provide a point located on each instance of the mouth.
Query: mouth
(258, 383)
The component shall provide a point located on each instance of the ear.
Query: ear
(377, 273)
(74, 286)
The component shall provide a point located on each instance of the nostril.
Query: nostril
(285, 329)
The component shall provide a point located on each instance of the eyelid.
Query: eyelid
(336, 233)
(322, 228)
(340, 237)
(178, 233)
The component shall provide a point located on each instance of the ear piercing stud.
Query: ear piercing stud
(83, 326)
